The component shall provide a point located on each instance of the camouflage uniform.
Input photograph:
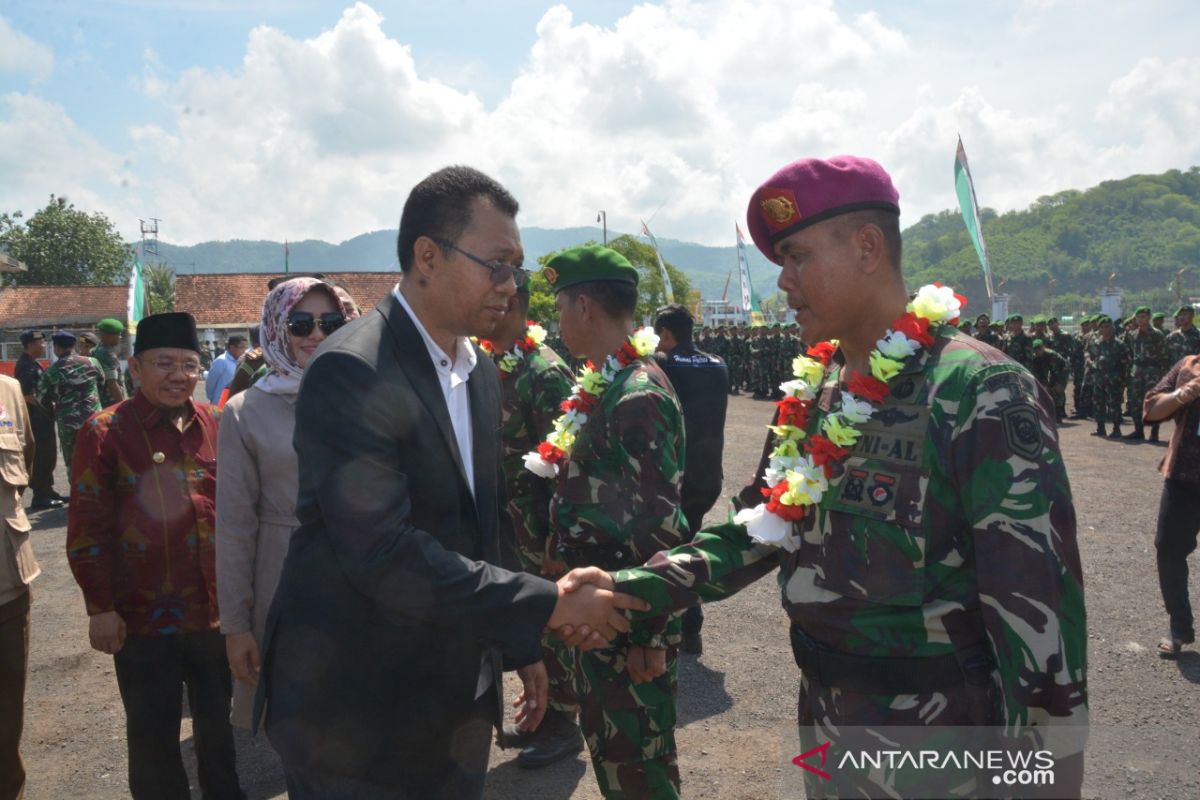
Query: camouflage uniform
(71, 386)
(616, 503)
(949, 533)
(1019, 347)
(531, 396)
(1051, 371)
(110, 367)
(1147, 365)
(1182, 343)
(987, 336)
(1104, 376)
(1079, 392)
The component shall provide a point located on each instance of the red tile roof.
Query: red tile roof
(26, 307)
(235, 300)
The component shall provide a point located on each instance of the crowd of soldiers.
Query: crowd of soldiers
(1109, 362)
(759, 357)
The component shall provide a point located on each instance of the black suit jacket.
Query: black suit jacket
(390, 593)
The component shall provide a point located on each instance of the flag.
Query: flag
(964, 187)
(136, 304)
(749, 302)
(668, 292)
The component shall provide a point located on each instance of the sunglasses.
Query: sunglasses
(501, 272)
(302, 323)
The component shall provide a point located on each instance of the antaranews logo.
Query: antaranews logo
(802, 760)
(1007, 767)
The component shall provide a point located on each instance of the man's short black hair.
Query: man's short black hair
(235, 340)
(678, 320)
(255, 332)
(618, 298)
(440, 207)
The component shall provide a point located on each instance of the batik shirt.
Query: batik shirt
(619, 490)
(531, 396)
(140, 524)
(950, 525)
(71, 386)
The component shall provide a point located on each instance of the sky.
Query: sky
(299, 119)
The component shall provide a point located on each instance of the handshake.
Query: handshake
(588, 612)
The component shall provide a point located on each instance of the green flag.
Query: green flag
(964, 187)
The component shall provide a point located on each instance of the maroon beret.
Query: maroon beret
(811, 190)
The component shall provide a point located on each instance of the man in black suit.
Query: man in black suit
(393, 619)
(702, 382)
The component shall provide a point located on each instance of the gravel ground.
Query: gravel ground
(737, 701)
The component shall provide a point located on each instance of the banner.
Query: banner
(749, 301)
(668, 292)
(136, 305)
(964, 187)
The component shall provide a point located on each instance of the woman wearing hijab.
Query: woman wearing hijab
(257, 474)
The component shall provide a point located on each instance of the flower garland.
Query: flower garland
(590, 385)
(534, 338)
(801, 466)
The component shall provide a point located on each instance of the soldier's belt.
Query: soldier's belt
(606, 557)
(886, 674)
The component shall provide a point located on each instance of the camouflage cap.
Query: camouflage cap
(812, 190)
(590, 262)
(110, 325)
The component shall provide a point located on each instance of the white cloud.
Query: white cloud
(21, 55)
(684, 104)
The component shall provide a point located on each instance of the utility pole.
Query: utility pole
(602, 217)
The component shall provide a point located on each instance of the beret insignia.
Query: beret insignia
(551, 275)
(778, 209)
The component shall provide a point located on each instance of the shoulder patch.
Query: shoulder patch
(1022, 430)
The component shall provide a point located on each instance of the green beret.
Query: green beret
(1015, 317)
(1185, 310)
(110, 325)
(1102, 319)
(1038, 343)
(590, 262)
(1051, 319)
(1037, 320)
(964, 326)
(1142, 310)
(1159, 315)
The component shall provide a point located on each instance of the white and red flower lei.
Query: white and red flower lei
(590, 385)
(534, 338)
(801, 466)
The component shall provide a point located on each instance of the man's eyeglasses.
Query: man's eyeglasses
(166, 366)
(301, 323)
(501, 272)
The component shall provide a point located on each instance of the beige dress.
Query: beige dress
(257, 478)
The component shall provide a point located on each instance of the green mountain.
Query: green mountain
(1145, 228)
(706, 267)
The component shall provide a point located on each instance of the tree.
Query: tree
(62, 245)
(160, 287)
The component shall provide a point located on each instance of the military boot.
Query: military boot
(1138, 434)
(1116, 431)
(1154, 433)
(558, 737)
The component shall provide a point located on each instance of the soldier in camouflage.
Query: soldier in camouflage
(617, 501)
(1147, 364)
(1106, 363)
(1051, 371)
(110, 364)
(1019, 344)
(534, 382)
(71, 386)
(1080, 396)
(984, 333)
(1158, 321)
(1185, 339)
(937, 582)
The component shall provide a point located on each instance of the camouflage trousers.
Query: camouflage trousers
(1081, 394)
(629, 728)
(66, 440)
(1139, 385)
(1106, 400)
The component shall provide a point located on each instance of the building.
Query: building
(52, 308)
(228, 304)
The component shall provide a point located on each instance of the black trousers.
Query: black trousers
(151, 671)
(46, 456)
(695, 506)
(452, 767)
(14, 666)
(1178, 524)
